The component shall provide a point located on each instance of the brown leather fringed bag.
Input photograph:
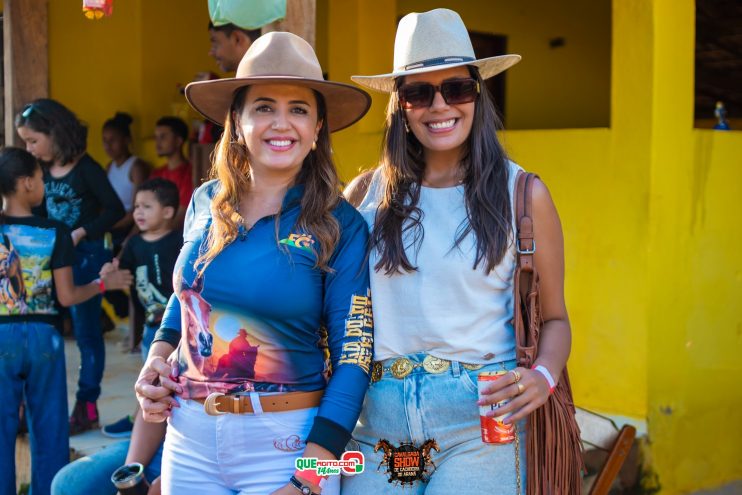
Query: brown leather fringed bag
(553, 446)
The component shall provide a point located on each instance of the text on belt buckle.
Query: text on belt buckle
(210, 404)
(401, 367)
(432, 364)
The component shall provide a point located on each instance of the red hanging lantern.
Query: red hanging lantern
(95, 9)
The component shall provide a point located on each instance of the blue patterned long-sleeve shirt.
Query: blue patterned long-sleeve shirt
(263, 316)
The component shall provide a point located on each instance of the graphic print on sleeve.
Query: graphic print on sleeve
(25, 271)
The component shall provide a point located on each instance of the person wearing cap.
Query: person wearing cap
(275, 257)
(440, 210)
(235, 24)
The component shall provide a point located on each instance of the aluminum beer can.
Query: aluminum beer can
(493, 429)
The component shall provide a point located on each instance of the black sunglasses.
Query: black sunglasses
(454, 92)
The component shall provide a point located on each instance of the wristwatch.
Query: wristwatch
(304, 489)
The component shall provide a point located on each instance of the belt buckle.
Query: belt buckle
(377, 371)
(401, 367)
(210, 404)
(435, 365)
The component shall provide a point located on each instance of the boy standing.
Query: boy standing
(171, 133)
(151, 257)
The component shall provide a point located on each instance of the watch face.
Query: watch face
(306, 490)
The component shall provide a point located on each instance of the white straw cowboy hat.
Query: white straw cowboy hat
(280, 58)
(431, 41)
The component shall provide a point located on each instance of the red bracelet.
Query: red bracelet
(101, 285)
(311, 476)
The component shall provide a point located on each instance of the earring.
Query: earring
(406, 127)
(314, 145)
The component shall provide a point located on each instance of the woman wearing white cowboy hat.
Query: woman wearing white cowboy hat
(271, 276)
(442, 260)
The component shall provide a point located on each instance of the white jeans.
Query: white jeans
(246, 454)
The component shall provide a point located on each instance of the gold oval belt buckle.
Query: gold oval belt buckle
(210, 404)
(432, 364)
(401, 367)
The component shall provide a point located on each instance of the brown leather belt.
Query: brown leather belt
(218, 403)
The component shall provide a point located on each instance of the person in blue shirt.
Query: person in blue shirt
(271, 318)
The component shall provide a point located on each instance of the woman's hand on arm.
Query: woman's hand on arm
(555, 339)
(356, 190)
(156, 384)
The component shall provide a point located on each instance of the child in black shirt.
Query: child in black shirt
(79, 195)
(151, 256)
(36, 258)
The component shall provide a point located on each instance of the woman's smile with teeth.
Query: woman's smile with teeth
(446, 124)
(281, 143)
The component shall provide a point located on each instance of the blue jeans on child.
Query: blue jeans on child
(442, 407)
(92, 474)
(90, 257)
(32, 368)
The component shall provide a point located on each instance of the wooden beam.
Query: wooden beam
(300, 19)
(25, 56)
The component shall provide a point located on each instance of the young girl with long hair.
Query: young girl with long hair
(78, 194)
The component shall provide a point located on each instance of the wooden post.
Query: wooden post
(300, 20)
(25, 56)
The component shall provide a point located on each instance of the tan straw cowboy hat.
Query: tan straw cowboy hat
(431, 41)
(280, 58)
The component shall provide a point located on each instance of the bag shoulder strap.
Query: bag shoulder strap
(525, 243)
(525, 286)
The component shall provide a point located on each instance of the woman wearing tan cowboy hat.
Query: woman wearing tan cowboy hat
(272, 275)
(442, 260)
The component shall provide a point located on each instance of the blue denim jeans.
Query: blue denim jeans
(32, 367)
(92, 474)
(441, 407)
(90, 257)
(148, 335)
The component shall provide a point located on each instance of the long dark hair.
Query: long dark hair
(15, 163)
(231, 167)
(485, 178)
(69, 135)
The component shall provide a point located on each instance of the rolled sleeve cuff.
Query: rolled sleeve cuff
(329, 435)
(169, 335)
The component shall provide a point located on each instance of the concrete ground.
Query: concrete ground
(117, 392)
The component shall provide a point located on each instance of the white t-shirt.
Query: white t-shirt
(445, 308)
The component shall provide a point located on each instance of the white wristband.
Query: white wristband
(542, 369)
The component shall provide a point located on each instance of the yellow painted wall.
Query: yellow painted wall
(132, 61)
(604, 220)
(694, 272)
